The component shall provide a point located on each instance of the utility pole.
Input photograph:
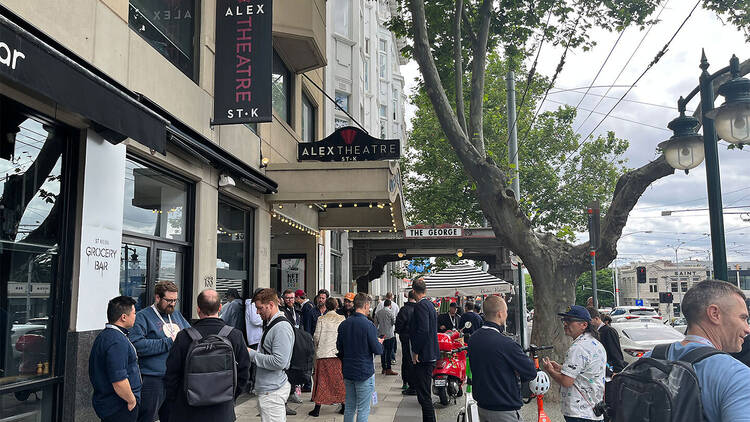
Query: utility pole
(617, 286)
(510, 85)
(594, 216)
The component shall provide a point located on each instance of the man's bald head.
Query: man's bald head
(209, 302)
(495, 309)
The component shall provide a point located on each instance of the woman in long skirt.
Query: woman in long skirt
(328, 381)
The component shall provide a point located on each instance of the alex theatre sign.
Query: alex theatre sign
(350, 144)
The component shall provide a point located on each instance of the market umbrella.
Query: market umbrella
(464, 280)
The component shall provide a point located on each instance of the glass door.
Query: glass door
(145, 263)
(134, 273)
(169, 268)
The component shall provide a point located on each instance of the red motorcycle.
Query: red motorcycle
(449, 374)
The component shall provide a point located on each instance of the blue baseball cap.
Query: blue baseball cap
(576, 312)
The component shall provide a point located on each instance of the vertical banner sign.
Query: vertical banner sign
(244, 58)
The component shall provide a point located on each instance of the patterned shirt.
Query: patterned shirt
(585, 362)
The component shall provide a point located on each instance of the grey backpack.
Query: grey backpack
(658, 390)
(210, 368)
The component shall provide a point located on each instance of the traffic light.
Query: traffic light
(665, 297)
(594, 222)
(640, 274)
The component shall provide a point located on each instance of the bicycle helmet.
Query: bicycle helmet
(539, 385)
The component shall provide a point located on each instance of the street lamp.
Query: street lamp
(682, 151)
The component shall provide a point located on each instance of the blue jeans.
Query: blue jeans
(152, 403)
(358, 397)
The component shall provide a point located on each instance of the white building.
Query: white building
(664, 276)
(364, 78)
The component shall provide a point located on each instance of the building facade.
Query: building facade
(666, 276)
(363, 76)
(113, 178)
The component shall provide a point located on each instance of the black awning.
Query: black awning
(211, 152)
(27, 60)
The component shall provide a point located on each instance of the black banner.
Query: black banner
(243, 64)
(350, 144)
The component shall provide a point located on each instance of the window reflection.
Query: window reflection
(232, 248)
(155, 203)
(133, 273)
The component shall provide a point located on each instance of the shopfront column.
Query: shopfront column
(206, 220)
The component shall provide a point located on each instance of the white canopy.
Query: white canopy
(464, 280)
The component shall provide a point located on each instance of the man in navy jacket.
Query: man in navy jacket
(496, 364)
(424, 348)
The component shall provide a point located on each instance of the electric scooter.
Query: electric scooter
(450, 370)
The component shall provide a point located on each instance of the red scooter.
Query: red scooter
(450, 370)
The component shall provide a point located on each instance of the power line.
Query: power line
(575, 91)
(656, 59)
(618, 118)
(588, 88)
(637, 47)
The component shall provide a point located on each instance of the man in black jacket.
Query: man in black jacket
(469, 316)
(448, 320)
(403, 320)
(497, 362)
(610, 340)
(209, 305)
(424, 348)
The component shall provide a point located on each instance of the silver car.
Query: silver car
(635, 313)
(637, 337)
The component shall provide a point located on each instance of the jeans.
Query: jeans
(272, 404)
(496, 416)
(406, 363)
(123, 415)
(358, 397)
(387, 356)
(152, 403)
(395, 348)
(422, 377)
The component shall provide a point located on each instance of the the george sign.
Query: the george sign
(350, 144)
(243, 62)
(434, 232)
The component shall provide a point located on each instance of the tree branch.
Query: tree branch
(458, 65)
(469, 30)
(630, 186)
(476, 105)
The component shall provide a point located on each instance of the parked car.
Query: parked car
(635, 313)
(679, 324)
(18, 330)
(639, 337)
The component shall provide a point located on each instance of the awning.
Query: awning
(52, 72)
(464, 280)
(355, 195)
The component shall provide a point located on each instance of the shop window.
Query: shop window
(156, 240)
(309, 114)
(171, 27)
(342, 100)
(234, 249)
(33, 179)
(281, 88)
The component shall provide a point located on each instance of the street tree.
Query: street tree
(462, 32)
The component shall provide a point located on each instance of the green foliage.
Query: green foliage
(529, 291)
(604, 281)
(554, 187)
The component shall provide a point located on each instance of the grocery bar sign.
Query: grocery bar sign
(434, 232)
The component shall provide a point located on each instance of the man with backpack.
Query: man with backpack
(708, 379)
(272, 358)
(207, 367)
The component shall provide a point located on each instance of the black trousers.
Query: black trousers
(422, 376)
(406, 363)
(123, 415)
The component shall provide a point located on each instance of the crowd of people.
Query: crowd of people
(153, 364)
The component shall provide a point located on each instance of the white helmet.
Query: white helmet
(539, 385)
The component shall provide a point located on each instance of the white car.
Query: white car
(635, 313)
(639, 337)
(679, 324)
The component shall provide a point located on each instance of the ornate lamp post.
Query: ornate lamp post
(732, 122)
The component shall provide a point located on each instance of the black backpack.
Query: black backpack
(657, 389)
(301, 364)
(210, 368)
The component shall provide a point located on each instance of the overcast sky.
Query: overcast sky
(676, 74)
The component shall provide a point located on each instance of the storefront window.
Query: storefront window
(308, 119)
(234, 249)
(154, 202)
(31, 209)
(169, 26)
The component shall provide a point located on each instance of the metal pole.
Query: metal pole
(713, 179)
(593, 279)
(510, 84)
(679, 280)
(617, 286)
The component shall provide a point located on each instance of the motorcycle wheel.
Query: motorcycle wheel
(442, 393)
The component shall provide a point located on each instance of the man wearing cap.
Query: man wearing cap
(232, 312)
(449, 320)
(581, 376)
(348, 309)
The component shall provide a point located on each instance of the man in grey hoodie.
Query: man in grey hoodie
(272, 358)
